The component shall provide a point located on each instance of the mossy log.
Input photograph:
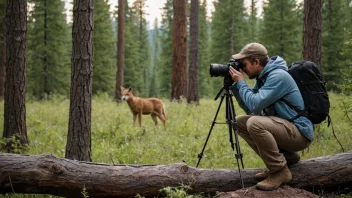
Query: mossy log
(48, 174)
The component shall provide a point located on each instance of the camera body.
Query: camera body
(216, 70)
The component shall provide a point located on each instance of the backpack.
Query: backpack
(312, 86)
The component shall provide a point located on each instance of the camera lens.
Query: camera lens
(216, 70)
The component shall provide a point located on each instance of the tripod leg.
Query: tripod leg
(234, 127)
(231, 120)
(200, 155)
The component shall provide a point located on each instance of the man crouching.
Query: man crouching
(271, 128)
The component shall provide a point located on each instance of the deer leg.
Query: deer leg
(134, 119)
(154, 119)
(140, 119)
(161, 117)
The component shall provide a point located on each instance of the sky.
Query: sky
(153, 9)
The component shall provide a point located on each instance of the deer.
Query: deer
(144, 106)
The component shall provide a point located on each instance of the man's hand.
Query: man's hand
(236, 75)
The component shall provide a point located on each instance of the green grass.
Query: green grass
(115, 140)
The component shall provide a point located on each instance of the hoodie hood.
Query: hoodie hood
(275, 62)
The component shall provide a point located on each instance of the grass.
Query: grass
(116, 141)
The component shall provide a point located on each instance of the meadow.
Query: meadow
(115, 140)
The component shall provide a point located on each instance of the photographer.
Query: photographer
(271, 128)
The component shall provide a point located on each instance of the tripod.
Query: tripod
(231, 122)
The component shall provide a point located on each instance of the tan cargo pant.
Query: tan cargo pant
(266, 134)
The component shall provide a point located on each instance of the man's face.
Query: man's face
(251, 67)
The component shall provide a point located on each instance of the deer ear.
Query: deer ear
(130, 88)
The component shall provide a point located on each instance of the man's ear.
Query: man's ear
(256, 61)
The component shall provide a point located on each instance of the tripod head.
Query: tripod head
(227, 83)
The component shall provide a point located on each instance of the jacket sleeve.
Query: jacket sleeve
(235, 92)
(274, 88)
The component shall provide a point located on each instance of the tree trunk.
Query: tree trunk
(78, 145)
(192, 95)
(179, 51)
(283, 192)
(15, 84)
(44, 73)
(48, 174)
(2, 64)
(2, 49)
(120, 50)
(312, 31)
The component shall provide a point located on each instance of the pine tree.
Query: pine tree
(227, 33)
(155, 62)
(227, 29)
(346, 85)
(104, 50)
(165, 68)
(282, 29)
(137, 49)
(144, 56)
(347, 10)
(193, 69)
(204, 80)
(120, 50)
(253, 22)
(15, 85)
(79, 141)
(2, 48)
(48, 49)
(132, 72)
(333, 38)
(179, 51)
(312, 31)
(347, 6)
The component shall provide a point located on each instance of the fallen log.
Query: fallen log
(282, 192)
(48, 174)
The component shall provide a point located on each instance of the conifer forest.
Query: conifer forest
(147, 55)
(65, 56)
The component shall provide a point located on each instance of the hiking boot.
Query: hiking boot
(291, 157)
(275, 180)
(262, 175)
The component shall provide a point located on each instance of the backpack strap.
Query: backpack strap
(333, 132)
(271, 109)
(299, 111)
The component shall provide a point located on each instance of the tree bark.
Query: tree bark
(2, 49)
(47, 174)
(179, 52)
(2, 64)
(120, 50)
(283, 192)
(192, 95)
(78, 145)
(15, 84)
(312, 31)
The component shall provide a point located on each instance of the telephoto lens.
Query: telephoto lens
(216, 69)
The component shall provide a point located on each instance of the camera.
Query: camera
(223, 70)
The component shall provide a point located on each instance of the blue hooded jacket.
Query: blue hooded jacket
(277, 85)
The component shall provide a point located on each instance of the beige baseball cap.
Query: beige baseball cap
(251, 49)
